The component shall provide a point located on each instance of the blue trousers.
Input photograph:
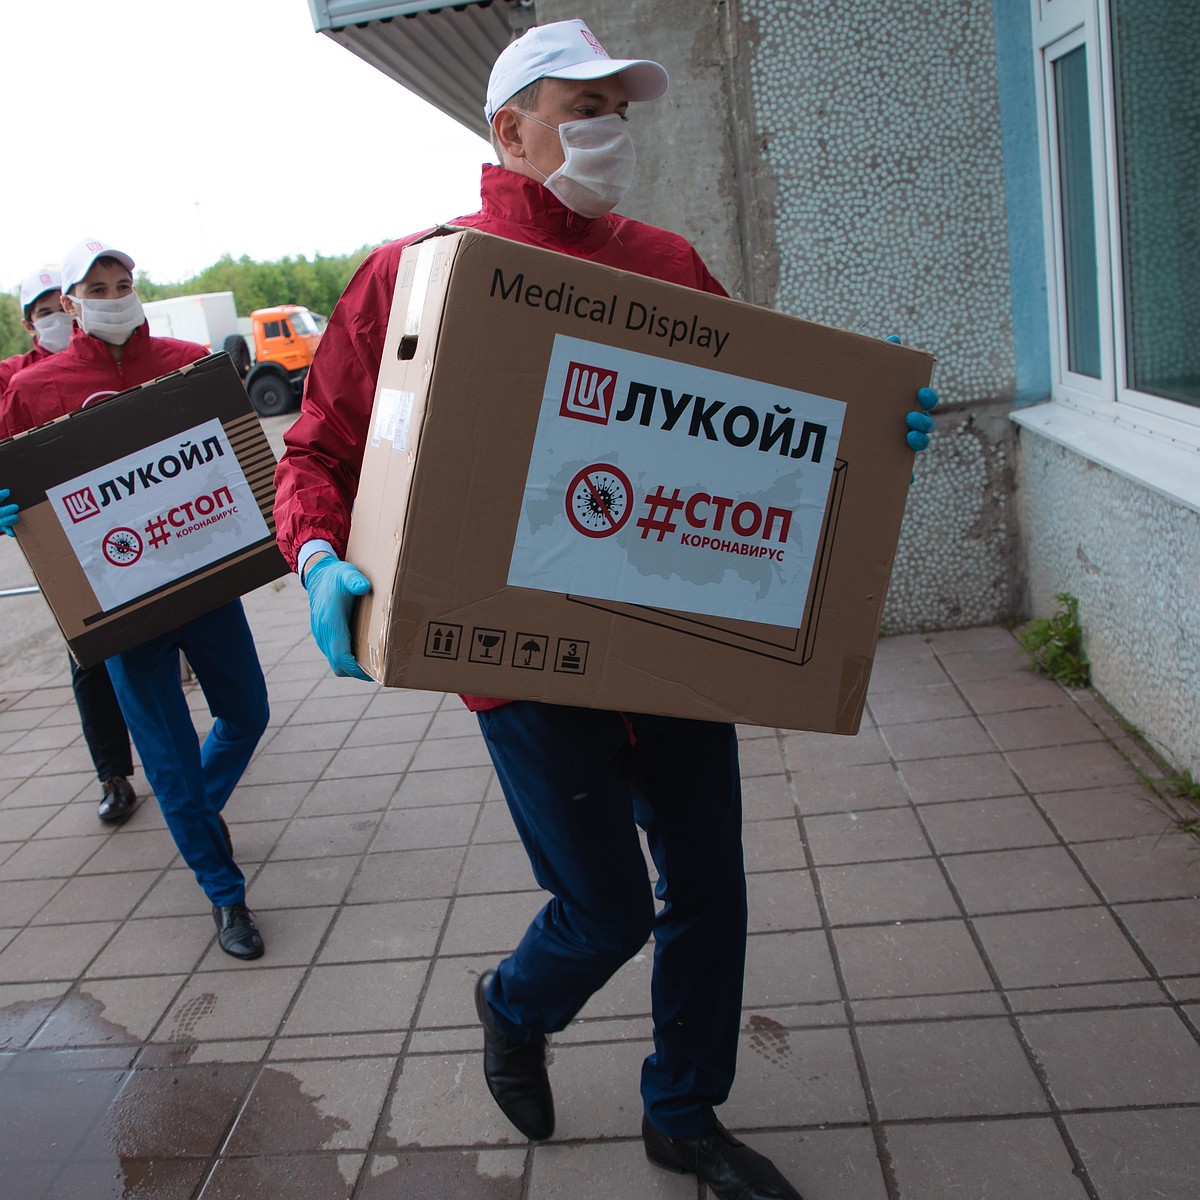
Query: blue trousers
(192, 782)
(579, 783)
(100, 716)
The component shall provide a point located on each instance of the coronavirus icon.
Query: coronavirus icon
(122, 547)
(599, 500)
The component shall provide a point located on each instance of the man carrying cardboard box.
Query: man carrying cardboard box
(578, 782)
(110, 351)
(99, 713)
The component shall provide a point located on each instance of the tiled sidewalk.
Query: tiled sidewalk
(974, 969)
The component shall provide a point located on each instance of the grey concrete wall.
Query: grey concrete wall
(1129, 555)
(841, 161)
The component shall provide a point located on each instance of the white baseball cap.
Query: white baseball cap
(77, 261)
(566, 50)
(34, 286)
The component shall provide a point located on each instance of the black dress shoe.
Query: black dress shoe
(731, 1170)
(237, 932)
(516, 1075)
(117, 800)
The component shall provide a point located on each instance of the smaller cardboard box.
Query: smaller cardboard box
(145, 510)
(589, 487)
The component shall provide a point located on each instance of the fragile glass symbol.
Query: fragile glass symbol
(487, 641)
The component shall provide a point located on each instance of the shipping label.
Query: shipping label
(664, 484)
(140, 522)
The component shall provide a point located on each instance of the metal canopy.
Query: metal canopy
(442, 52)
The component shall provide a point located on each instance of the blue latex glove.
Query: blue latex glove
(919, 424)
(332, 587)
(8, 514)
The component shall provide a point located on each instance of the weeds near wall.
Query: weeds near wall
(1054, 645)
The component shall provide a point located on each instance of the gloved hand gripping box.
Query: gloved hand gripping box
(588, 487)
(147, 509)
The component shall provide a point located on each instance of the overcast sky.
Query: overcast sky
(181, 130)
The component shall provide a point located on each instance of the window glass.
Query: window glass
(305, 322)
(1081, 284)
(270, 329)
(1157, 94)
(283, 326)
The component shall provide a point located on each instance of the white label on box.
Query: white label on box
(393, 412)
(664, 484)
(140, 522)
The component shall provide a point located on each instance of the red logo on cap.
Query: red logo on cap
(44, 278)
(95, 245)
(590, 38)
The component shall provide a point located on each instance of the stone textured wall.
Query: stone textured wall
(1130, 556)
(879, 122)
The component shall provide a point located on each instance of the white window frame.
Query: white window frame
(1149, 438)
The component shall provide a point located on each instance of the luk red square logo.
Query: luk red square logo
(80, 505)
(588, 393)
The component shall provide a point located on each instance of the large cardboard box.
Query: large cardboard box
(588, 487)
(147, 509)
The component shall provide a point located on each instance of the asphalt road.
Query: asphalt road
(30, 642)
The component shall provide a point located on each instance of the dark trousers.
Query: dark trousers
(578, 790)
(103, 726)
(192, 781)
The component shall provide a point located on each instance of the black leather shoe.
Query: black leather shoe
(117, 801)
(516, 1075)
(237, 932)
(731, 1170)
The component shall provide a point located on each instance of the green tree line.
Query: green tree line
(315, 283)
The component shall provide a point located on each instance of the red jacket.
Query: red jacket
(318, 476)
(10, 366)
(86, 371)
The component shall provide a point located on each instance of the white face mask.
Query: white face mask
(112, 321)
(598, 168)
(53, 332)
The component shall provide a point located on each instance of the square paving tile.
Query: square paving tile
(51, 858)
(407, 874)
(22, 899)
(789, 1077)
(870, 893)
(949, 1069)
(422, 828)
(1117, 1058)
(1009, 692)
(459, 785)
(325, 837)
(317, 1105)
(788, 968)
(298, 1177)
(1062, 768)
(489, 924)
(1166, 931)
(772, 845)
(246, 1002)
(1002, 823)
(1012, 880)
(357, 998)
(961, 1160)
(908, 705)
(825, 752)
(109, 1012)
(937, 739)
(385, 931)
(1139, 1155)
(53, 951)
(1144, 868)
(849, 789)
(1032, 728)
(781, 900)
(959, 777)
(1054, 949)
(1099, 814)
(446, 1175)
(865, 837)
(496, 867)
(303, 883)
(925, 958)
(159, 946)
(23, 1008)
(171, 1113)
(588, 1172)
(452, 752)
